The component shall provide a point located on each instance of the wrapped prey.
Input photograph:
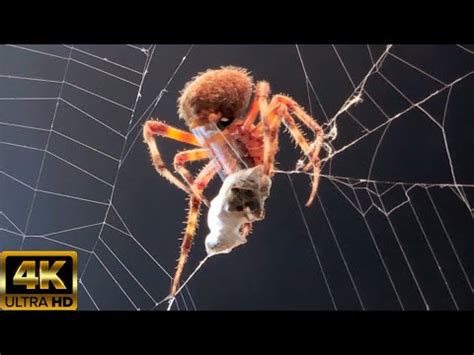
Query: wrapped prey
(241, 200)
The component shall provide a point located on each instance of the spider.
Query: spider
(230, 131)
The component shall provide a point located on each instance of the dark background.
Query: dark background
(64, 273)
(278, 268)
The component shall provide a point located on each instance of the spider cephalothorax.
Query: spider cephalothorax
(239, 141)
(214, 94)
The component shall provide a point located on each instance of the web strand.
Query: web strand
(37, 162)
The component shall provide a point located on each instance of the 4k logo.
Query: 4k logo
(38, 280)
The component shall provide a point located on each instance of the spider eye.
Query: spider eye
(224, 122)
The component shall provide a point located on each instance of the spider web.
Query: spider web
(392, 224)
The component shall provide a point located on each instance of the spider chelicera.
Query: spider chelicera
(226, 135)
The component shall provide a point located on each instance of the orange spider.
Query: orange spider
(213, 106)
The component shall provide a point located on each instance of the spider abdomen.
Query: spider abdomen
(214, 94)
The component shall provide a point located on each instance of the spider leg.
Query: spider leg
(307, 149)
(279, 111)
(188, 156)
(246, 229)
(154, 128)
(202, 180)
(300, 113)
(259, 104)
(271, 125)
